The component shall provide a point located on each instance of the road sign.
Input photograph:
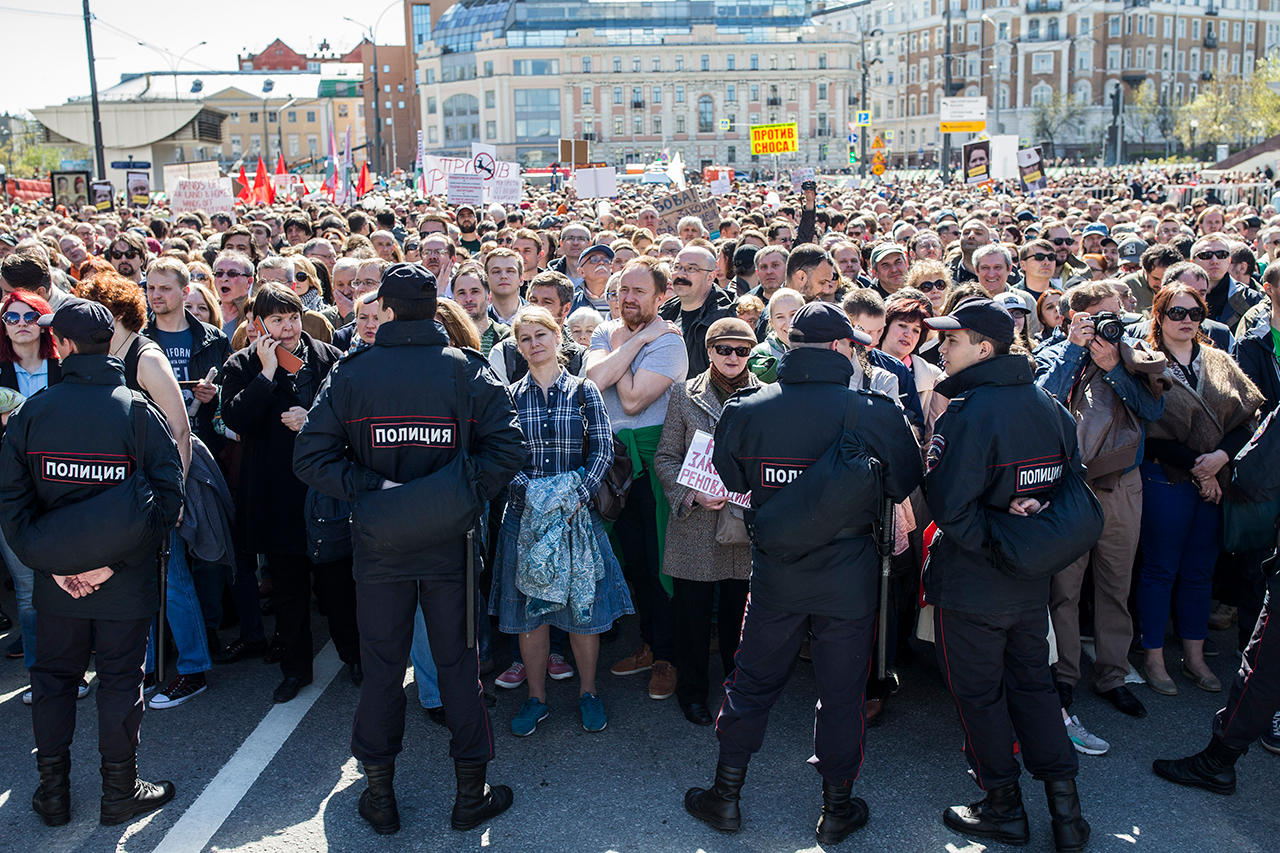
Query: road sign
(877, 143)
(864, 118)
(853, 137)
(963, 115)
(131, 164)
(888, 136)
(724, 124)
(877, 169)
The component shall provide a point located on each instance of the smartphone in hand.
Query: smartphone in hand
(289, 362)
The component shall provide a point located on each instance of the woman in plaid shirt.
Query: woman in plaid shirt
(556, 409)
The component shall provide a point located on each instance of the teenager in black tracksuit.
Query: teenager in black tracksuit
(384, 434)
(87, 510)
(819, 459)
(991, 629)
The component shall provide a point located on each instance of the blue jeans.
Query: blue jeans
(184, 616)
(424, 667)
(23, 584)
(1180, 536)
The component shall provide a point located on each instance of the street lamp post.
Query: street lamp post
(377, 90)
(945, 171)
(173, 64)
(267, 86)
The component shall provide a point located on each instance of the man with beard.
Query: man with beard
(811, 273)
(437, 256)
(128, 254)
(471, 292)
(232, 275)
(698, 302)
(634, 361)
(465, 216)
(889, 265)
(1056, 232)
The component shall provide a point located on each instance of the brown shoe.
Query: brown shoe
(874, 712)
(662, 681)
(638, 661)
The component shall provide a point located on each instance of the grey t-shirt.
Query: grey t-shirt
(665, 356)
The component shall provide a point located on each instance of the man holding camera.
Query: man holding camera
(1092, 373)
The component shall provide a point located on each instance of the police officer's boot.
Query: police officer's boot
(125, 796)
(477, 802)
(1213, 768)
(1070, 831)
(998, 815)
(378, 800)
(52, 800)
(841, 813)
(718, 807)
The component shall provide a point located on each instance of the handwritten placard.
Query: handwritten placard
(699, 474)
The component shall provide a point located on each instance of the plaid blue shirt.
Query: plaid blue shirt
(553, 427)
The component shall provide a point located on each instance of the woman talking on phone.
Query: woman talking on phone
(267, 389)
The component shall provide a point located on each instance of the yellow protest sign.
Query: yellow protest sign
(774, 139)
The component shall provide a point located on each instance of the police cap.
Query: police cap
(80, 320)
(822, 323)
(407, 281)
(976, 315)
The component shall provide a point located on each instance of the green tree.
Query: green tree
(1051, 117)
(1146, 116)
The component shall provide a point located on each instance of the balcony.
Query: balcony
(774, 102)
(1210, 41)
(637, 105)
(1038, 6)
(590, 137)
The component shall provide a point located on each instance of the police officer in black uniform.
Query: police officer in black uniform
(1254, 699)
(414, 434)
(818, 459)
(999, 447)
(88, 510)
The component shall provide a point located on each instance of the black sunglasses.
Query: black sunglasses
(1040, 256)
(1061, 241)
(300, 277)
(726, 350)
(926, 286)
(1219, 254)
(1178, 314)
(113, 255)
(13, 318)
(230, 274)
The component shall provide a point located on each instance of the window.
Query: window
(657, 63)
(755, 92)
(679, 62)
(400, 87)
(679, 94)
(705, 62)
(822, 91)
(731, 61)
(237, 143)
(291, 116)
(637, 95)
(706, 115)
(342, 108)
(433, 134)
(431, 107)
(313, 145)
(731, 93)
(490, 130)
(1113, 59)
(535, 67)
(537, 113)
(680, 124)
(387, 106)
(386, 69)
(311, 116)
(635, 64)
(657, 125)
(253, 118)
(617, 65)
(617, 125)
(586, 96)
(733, 153)
(386, 88)
(637, 125)
(755, 62)
(617, 95)
(294, 145)
(488, 68)
(733, 122)
(1041, 93)
(657, 94)
(586, 65)
(1113, 26)
(399, 105)
(1182, 27)
(822, 59)
(233, 116)
(791, 92)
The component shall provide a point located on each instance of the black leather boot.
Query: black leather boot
(125, 796)
(998, 815)
(1070, 831)
(378, 800)
(477, 802)
(52, 800)
(718, 807)
(1213, 768)
(841, 813)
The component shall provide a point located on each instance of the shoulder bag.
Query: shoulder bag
(611, 496)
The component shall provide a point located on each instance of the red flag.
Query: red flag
(262, 189)
(281, 168)
(246, 193)
(365, 184)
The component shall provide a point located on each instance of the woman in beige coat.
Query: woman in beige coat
(700, 553)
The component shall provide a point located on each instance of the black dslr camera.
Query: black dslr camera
(1109, 326)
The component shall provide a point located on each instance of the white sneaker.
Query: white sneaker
(1083, 740)
(81, 691)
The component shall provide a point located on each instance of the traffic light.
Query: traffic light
(853, 155)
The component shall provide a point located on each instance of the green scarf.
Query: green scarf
(642, 443)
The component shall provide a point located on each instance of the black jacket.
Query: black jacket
(388, 412)
(979, 459)
(1257, 359)
(717, 304)
(209, 349)
(342, 336)
(769, 437)
(269, 498)
(73, 499)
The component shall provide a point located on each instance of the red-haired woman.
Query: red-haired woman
(28, 365)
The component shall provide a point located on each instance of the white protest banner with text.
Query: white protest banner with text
(699, 474)
(465, 189)
(211, 196)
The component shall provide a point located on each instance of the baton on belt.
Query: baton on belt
(471, 589)
(162, 566)
(886, 554)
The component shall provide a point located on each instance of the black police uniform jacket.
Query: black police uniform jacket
(74, 498)
(389, 412)
(1001, 438)
(269, 499)
(786, 442)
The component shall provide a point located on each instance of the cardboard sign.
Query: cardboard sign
(720, 186)
(699, 474)
(201, 170)
(687, 203)
(774, 139)
(596, 183)
(465, 189)
(801, 174)
(573, 152)
(211, 196)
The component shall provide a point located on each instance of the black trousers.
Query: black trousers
(292, 576)
(997, 669)
(386, 632)
(1255, 691)
(691, 610)
(841, 651)
(62, 656)
(637, 534)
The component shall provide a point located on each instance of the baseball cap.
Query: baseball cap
(407, 281)
(598, 248)
(730, 329)
(1097, 228)
(744, 256)
(8, 239)
(944, 214)
(1011, 302)
(983, 316)
(1025, 216)
(1252, 221)
(1131, 250)
(884, 250)
(463, 207)
(822, 323)
(80, 319)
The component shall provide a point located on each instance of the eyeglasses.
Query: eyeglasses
(13, 318)
(926, 286)
(688, 269)
(199, 276)
(726, 350)
(1176, 314)
(366, 282)
(113, 255)
(1061, 241)
(230, 274)
(1216, 254)
(435, 253)
(300, 277)
(1040, 256)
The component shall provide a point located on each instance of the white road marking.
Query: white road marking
(214, 805)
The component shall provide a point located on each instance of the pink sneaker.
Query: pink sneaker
(558, 668)
(512, 677)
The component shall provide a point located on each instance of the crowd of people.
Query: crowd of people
(621, 337)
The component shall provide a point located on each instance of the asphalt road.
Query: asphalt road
(619, 790)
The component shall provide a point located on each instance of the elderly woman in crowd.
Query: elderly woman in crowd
(904, 315)
(763, 361)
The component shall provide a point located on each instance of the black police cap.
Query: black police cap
(407, 281)
(822, 323)
(983, 316)
(80, 320)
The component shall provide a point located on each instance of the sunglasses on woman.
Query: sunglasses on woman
(1217, 254)
(13, 318)
(726, 350)
(199, 276)
(300, 277)
(1178, 313)
(926, 286)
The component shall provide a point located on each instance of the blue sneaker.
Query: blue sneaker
(592, 710)
(531, 713)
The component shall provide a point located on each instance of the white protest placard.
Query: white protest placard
(211, 196)
(465, 189)
(501, 177)
(596, 183)
(201, 170)
(720, 186)
(699, 474)
(801, 174)
(478, 148)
